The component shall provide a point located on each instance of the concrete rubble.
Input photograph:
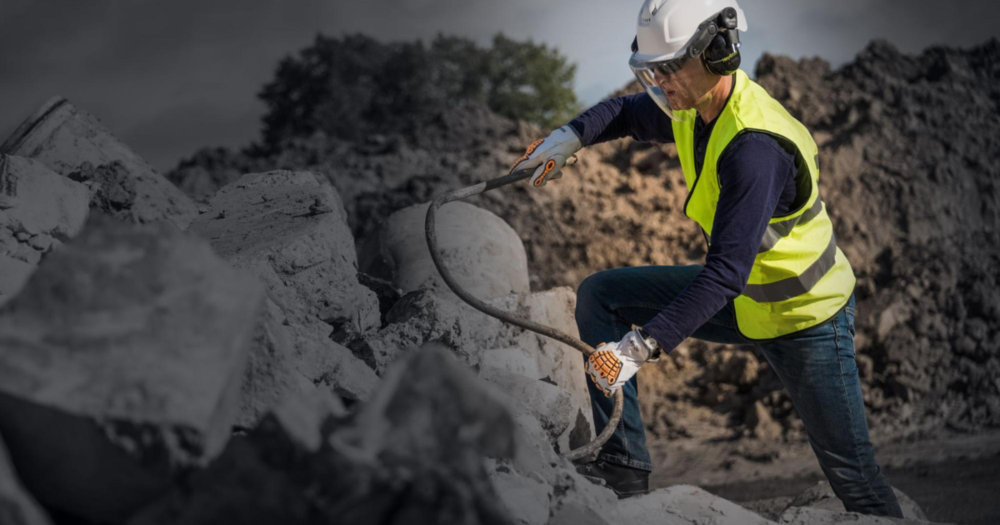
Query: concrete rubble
(482, 252)
(290, 231)
(120, 365)
(411, 454)
(684, 504)
(39, 210)
(74, 144)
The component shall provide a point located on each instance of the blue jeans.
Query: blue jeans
(816, 366)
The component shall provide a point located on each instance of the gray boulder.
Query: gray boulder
(685, 505)
(72, 142)
(483, 253)
(38, 210)
(414, 453)
(814, 516)
(291, 232)
(120, 365)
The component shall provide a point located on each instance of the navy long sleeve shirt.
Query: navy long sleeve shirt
(757, 179)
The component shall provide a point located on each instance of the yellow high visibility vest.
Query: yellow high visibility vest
(799, 278)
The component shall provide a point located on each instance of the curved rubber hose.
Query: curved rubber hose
(505, 316)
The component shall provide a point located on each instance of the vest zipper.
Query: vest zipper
(697, 172)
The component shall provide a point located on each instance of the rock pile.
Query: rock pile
(907, 146)
(38, 210)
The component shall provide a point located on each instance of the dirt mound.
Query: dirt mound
(907, 146)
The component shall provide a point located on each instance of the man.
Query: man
(773, 276)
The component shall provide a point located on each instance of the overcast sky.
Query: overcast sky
(171, 76)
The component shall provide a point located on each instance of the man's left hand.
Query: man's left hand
(613, 364)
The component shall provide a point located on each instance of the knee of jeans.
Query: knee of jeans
(589, 294)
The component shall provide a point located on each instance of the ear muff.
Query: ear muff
(722, 56)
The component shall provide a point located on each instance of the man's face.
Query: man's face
(688, 86)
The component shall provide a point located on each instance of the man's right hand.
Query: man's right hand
(549, 155)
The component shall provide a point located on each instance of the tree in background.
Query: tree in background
(354, 86)
(530, 82)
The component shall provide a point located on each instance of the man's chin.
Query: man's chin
(677, 103)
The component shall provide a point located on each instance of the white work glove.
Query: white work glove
(613, 364)
(549, 155)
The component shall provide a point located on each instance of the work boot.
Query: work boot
(625, 481)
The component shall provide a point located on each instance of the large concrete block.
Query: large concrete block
(38, 210)
(560, 363)
(291, 232)
(69, 140)
(120, 365)
(271, 374)
(490, 344)
(814, 516)
(526, 498)
(414, 453)
(17, 507)
(686, 505)
(482, 252)
(551, 405)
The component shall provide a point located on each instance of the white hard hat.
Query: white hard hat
(666, 27)
(671, 32)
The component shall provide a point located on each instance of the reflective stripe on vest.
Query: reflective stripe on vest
(777, 230)
(794, 286)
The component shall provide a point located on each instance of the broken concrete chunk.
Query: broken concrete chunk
(525, 498)
(813, 516)
(821, 496)
(301, 416)
(423, 316)
(287, 358)
(270, 371)
(120, 365)
(575, 514)
(482, 252)
(68, 139)
(38, 205)
(17, 507)
(387, 293)
(440, 400)
(41, 201)
(13, 274)
(551, 405)
(684, 504)
(560, 363)
(413, 454)
(290, 231)
(482, 340)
